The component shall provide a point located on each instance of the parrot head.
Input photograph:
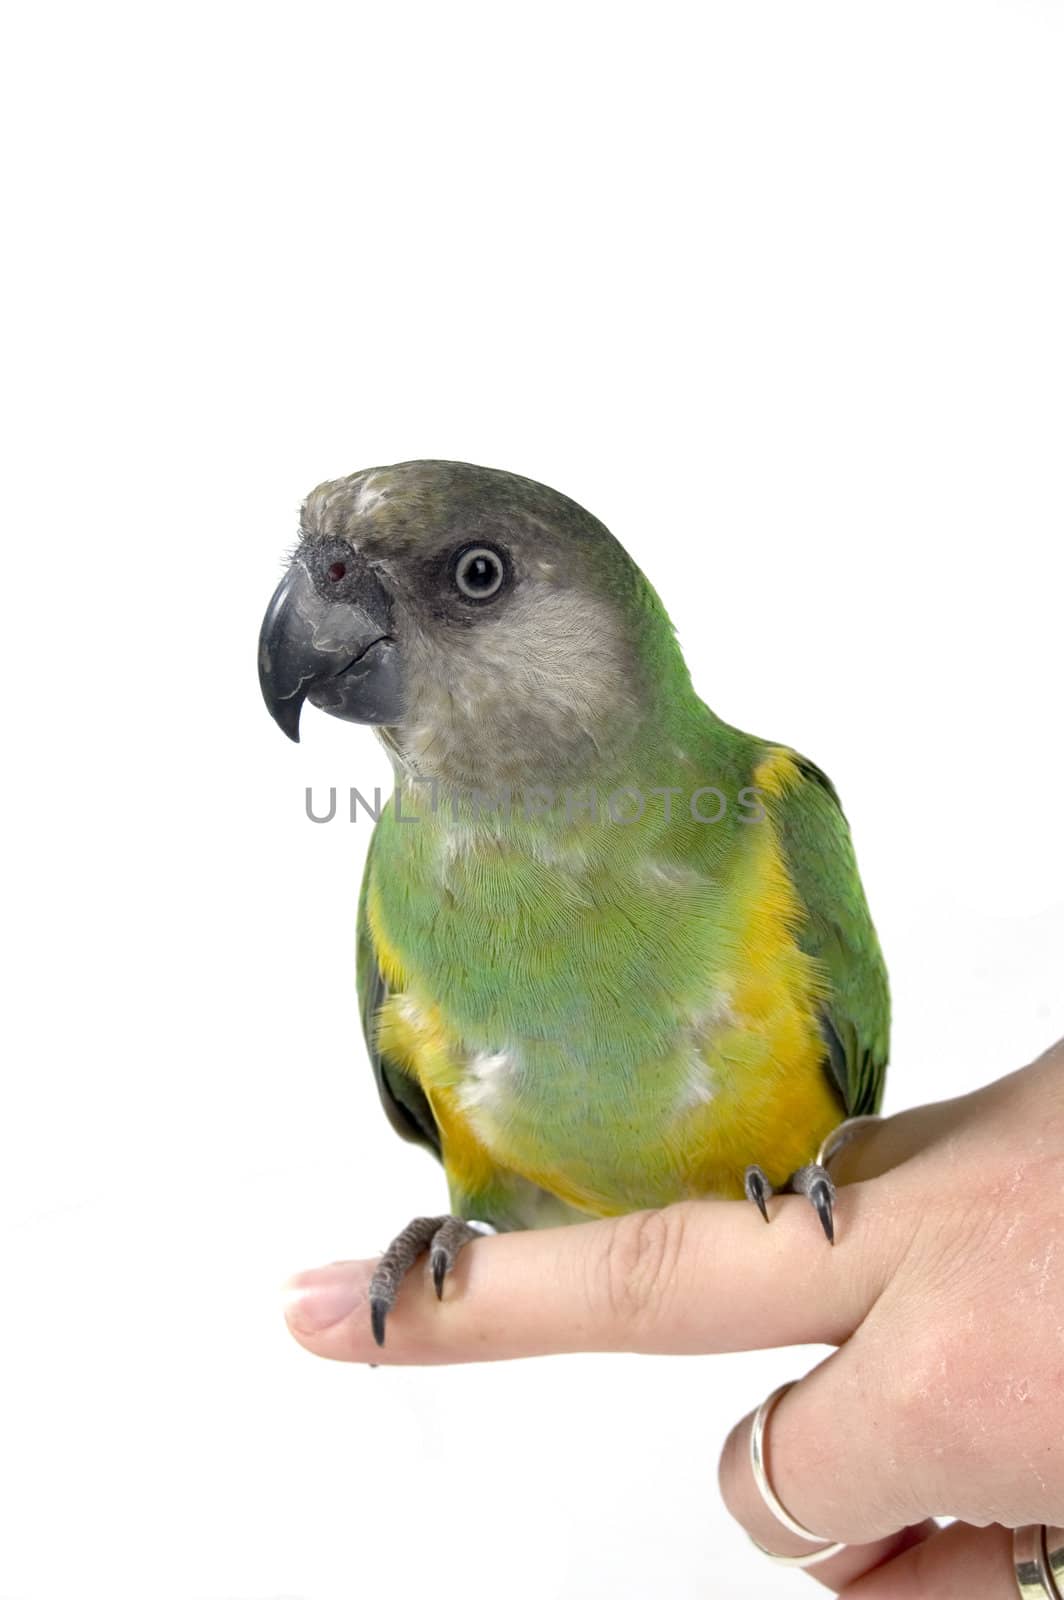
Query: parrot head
(487, 624)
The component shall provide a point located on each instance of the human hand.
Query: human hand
(944, 1296)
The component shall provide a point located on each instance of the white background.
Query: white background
(776, 290)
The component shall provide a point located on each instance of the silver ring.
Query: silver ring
(1038, 1557)
(1054, 1538)
(772, 1499)
(805, 1562)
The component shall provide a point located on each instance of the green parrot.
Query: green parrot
(612, 952)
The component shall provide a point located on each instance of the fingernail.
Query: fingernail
(314, 1301)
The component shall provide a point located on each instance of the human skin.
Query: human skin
(944, 1298)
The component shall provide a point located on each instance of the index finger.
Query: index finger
(697, 1277)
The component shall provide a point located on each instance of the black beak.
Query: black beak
(330, 642)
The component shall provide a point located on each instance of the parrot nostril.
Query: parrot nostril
(336, 572)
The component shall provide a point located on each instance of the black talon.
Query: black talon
(822, 1201)
(758, 1189)
(440, 1264)
(378, 1312)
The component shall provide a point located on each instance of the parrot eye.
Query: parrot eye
(479, 572)
(335, 572)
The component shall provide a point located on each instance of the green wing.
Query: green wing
(839, 933)
(403, 1099)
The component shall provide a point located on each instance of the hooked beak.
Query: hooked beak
(334, 648)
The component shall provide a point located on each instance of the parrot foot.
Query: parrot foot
(442, 1237)
(814, 1181)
